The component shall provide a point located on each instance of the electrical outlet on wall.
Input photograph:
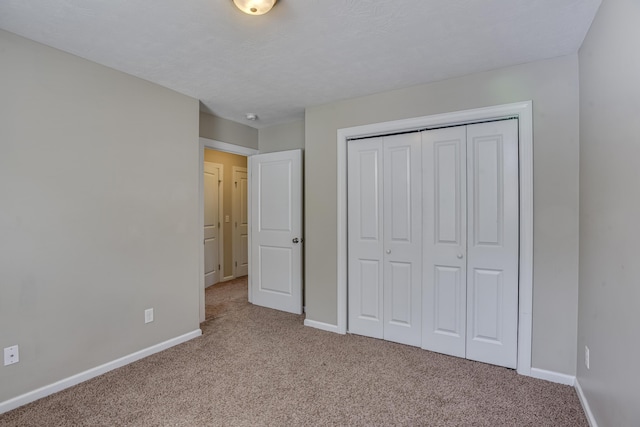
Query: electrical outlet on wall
(586, 356)
(148, 315)
(11, 355)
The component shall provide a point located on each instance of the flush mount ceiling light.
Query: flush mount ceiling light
(254, 7)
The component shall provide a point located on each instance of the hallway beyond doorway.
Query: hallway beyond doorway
(225, 297)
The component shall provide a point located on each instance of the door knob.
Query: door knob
(459, 256)
(295, 240)
(388, 251)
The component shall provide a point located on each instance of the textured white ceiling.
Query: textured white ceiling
(303, 52)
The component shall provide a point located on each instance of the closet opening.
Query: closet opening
(433, 239)
(467, 188)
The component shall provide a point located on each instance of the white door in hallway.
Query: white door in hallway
(211, 224)
(240, 222)
(470, 305)
(275, 192)
(384, 186)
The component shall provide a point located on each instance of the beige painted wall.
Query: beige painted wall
(553, 87)
(228, 160)
(99, 216)
(223, 130)
(609, 318)
(287, 136)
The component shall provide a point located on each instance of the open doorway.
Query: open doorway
(223, 214)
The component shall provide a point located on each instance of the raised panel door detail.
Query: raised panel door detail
(399, 173)
(401, 294)
(275, 268)
(244, 199)
(370, 289)
(210, 256)
(369, 195)
(211, 200)
(488, 190)
(487, 295)
(275, 184)
(448, 294)
(446, 172)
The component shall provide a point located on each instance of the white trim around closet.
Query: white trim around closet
(523, 110)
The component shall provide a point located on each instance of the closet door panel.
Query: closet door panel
(492, 269)
(488, 293)
(365, 290)
(402, 238)
(448, 292)
(400, 309)
(444, 237)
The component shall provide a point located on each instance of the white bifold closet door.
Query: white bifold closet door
(470, 259)
(433, 240)
(385, 238)
(445, 240)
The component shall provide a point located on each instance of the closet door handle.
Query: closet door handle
(459, 256)
(295, 240)
(388, 251)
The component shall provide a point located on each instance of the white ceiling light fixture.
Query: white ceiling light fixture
(254, 7)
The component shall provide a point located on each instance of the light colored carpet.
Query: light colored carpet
(225, 298)
(259, 367)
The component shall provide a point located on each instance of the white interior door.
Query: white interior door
(445, 240)
(211, 224)
(492, 247)
(433, 253)
(470, 305)
(402, 238)
(276, 230)
(365, 259)
(240, 222)
(384, 224)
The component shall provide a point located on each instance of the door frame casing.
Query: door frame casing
(524, 112)
(220, 146)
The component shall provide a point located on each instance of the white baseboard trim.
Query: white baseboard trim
(585, 405)
(554, 377)
(321, 325)
(47, 390)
